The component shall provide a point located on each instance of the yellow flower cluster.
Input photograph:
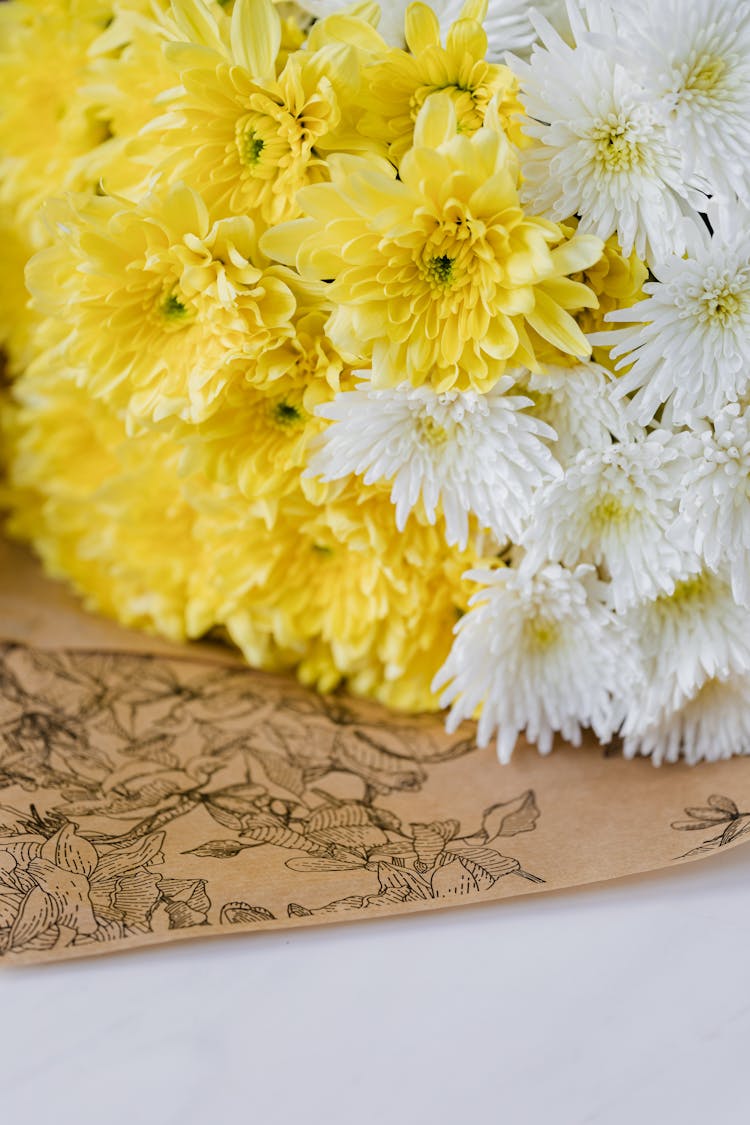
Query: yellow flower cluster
(227, 212)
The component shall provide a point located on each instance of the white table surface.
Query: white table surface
(625, 1003)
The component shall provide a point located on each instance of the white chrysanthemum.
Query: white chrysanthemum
(715, 497)
(713, 725)
(602, 149)
(615, 508)
(689, 341)
(577, 403)
(696, 633)
(464, 453)
(507, 23)
(694, 55)
(539, 653)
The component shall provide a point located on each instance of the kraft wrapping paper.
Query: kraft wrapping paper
(151, 793)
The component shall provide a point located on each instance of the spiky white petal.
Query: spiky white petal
(462, 453)
(694, 56)
(539, 653)
(688, 342)
(713, 725)
(578, 403)
(615, 507)
(694, 634)
(714, 514)
(602, 148)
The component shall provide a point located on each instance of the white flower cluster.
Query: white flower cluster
(620, 505)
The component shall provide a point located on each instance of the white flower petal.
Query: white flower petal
(713, 725)
(539, 653)
(694, 55)
(696, 633)
(714, 516)
(602, 148)
(465, 453)
(688, 343)
(578, 403)
(615, 507)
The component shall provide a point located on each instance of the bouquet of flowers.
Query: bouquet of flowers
(409, 350)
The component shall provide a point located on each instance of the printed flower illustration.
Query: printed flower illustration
(719, 815)
(127, 757)
(64, 890)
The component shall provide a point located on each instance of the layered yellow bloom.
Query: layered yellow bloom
(259, 438)
(257, 444)
(331, 589)
(163, 308)
(399, 84)
(336, 590)
(616, 281)
(17, 320)
(439, 275)
(308, 359)
(244, 136)
(46, 130)
(128, 73)
(103, 509)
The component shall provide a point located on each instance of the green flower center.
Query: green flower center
(286, 415)
(174, 310)
(440, 271)
(250, 146)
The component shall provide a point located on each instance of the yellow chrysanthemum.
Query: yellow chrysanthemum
(17, 321)
(128, 71)
(241, 135)
(333, 590)
(103, 509)
(45, 128)
(163, 307)
(340, 592)
(439, 274)
(399, 84)
(257, 443)
(307, 359)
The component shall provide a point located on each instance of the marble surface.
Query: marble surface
(623, 1004)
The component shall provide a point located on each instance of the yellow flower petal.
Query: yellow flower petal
(557, 326)
(475, 10)
(436, 123)
(467, 36)
(198, 24)
(422, 28)
(256, 37)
